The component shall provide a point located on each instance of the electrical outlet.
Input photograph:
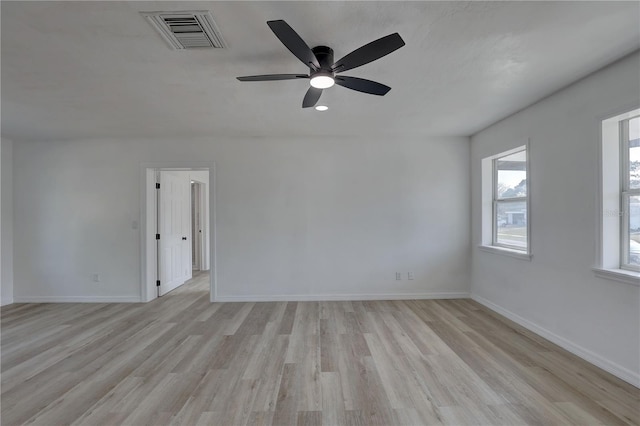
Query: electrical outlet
(96, 278)
(410, 276)
(398, 276)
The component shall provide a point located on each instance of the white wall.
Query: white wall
(299, 218)
(557, 294)
(6, 222)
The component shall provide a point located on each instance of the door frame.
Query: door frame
(148, 219)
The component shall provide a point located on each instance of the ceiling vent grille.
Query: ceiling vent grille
(186, 29)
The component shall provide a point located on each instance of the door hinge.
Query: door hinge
(158, 283)
(157, 236)
(157, 185)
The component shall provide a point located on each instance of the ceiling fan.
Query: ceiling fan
(323, 69)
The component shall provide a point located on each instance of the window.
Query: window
(510, 201)
(619, 226)
(505, 203)
(630, 197)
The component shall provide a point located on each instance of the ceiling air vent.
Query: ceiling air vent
(186, 29)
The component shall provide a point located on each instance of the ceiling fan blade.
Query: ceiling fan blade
(311, 98)
(272, 77)
(362, 85)
(294, 43)
(369, 52)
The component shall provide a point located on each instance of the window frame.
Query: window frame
(626, 192)
(608, 259)
(495, 200)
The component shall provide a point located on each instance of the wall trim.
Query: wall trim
(589, 356)
(341, 297)
(77, 299)
(6, 302)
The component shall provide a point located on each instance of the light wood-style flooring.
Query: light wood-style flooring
(183, 360)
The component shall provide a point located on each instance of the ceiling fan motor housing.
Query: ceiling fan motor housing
(324, 55)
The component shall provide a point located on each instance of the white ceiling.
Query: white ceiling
(74, 70)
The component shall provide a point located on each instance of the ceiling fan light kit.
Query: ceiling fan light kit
(322, 68)
(322, 81)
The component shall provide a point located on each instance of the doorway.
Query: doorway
(177, 214)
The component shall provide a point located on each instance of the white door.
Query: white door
(174, 227)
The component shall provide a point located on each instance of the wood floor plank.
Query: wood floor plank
(286, 406)
(309, 418)
(100, 412)
(332, 400)
(260, 418)
(181, 360)
(286, 323)
(201, 399)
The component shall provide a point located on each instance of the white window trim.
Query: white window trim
(609, 247)
(625, 196)
(487, 225)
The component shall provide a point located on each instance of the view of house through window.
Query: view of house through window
(510, 201)
(631, 193)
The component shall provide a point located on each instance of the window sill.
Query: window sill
(622, 275)
(506, 252)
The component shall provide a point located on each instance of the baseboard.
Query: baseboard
(6, 302)
(76, 299)
(589, 356)
(330, 297)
